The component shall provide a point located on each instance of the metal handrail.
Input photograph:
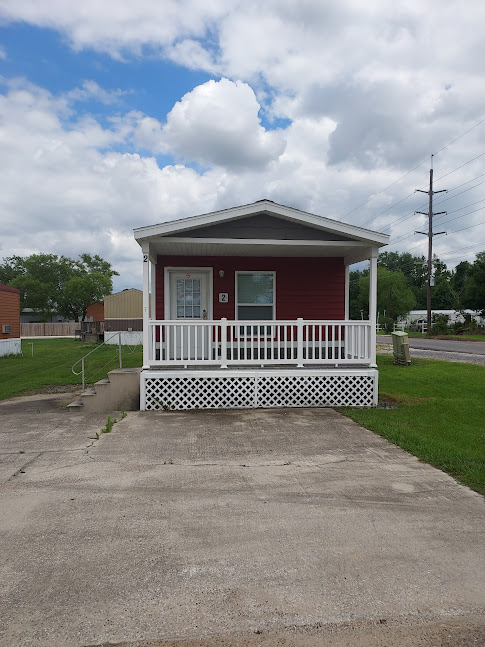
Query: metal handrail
(91, 352)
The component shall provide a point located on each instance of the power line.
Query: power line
(455, 231)
(460, 249)
(383, 190)
(391, 207)
(413, 169)
(409, 214)
(459, 167)
(462, 215)
(460, 136)
(404, 235)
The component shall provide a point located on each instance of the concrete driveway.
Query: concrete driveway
(284, 527)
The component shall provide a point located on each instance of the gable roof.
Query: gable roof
(261, 206)
(8, 288)
(244, 230)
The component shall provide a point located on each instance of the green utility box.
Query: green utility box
(400, 347)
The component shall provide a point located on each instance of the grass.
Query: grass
(459, 337)
(52, 361)
(423, 335)
(437, 414)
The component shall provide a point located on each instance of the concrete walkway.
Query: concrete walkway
(229, 528)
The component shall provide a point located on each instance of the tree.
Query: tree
(458, 283)
(442, 295)
(474, 289)
(50, 283)
(394, 297)
(356, 304)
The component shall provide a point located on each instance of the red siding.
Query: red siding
(9, 311)
(312, 288)
(96, 311)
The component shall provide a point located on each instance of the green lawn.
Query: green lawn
(437, 414)
(52, 361)
(423, 335)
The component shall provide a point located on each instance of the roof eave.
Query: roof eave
(289, 213)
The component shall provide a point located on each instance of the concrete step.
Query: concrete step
(76, 405)
(119, 391)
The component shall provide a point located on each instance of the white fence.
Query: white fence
(10, 347)
(259, 343)
(128, 337)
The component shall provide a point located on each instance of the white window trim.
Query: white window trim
(237, 304)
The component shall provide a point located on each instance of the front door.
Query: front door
(189, 301)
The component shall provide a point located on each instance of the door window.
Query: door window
(188, 298)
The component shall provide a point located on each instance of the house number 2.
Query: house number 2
(223, 297)
(145, 258)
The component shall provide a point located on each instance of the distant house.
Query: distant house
(123, 312)
(32, 315)
(9, 321)
(95, 311)
(250, 308)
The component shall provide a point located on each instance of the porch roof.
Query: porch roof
(306, 234)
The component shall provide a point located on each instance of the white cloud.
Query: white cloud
(120, 27)
(379, 70)
(90, 90)
(368, 89)
(216, 124)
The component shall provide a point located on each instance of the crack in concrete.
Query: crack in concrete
(22, 469)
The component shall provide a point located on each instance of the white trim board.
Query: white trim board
(266, 206)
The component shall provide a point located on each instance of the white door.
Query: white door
(189, 301)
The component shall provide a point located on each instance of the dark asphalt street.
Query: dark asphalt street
(443, 345)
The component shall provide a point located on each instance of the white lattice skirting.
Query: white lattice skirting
(250, 389)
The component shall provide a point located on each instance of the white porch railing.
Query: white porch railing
(224, 343)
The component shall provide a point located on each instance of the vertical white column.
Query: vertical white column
(299, 342)
(373, 305)
(153, 289)
(347, 293)
(146, 305)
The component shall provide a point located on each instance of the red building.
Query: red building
(95, 311)
(9, 320)
(257, 296)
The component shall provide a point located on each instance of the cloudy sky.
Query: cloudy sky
(119, 114)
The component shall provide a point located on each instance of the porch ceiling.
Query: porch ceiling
(355, 251)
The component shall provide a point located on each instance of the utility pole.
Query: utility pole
(430, 235)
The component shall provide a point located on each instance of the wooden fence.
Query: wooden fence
(48, 329)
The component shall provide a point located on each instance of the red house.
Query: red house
(9, 321)
(251, 309)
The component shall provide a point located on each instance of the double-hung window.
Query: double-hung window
(255, 299)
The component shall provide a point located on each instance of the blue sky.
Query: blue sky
(43, 56)
(116, 115)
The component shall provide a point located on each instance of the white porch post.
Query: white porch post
(373, 305)
(347, 293)
(146, 305)
(153, 290)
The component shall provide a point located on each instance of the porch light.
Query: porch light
(221, 274)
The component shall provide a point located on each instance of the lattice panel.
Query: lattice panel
(251, 391)
(315, 391)
(180, 393)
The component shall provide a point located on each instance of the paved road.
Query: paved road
(225, 527)
(443, 345)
